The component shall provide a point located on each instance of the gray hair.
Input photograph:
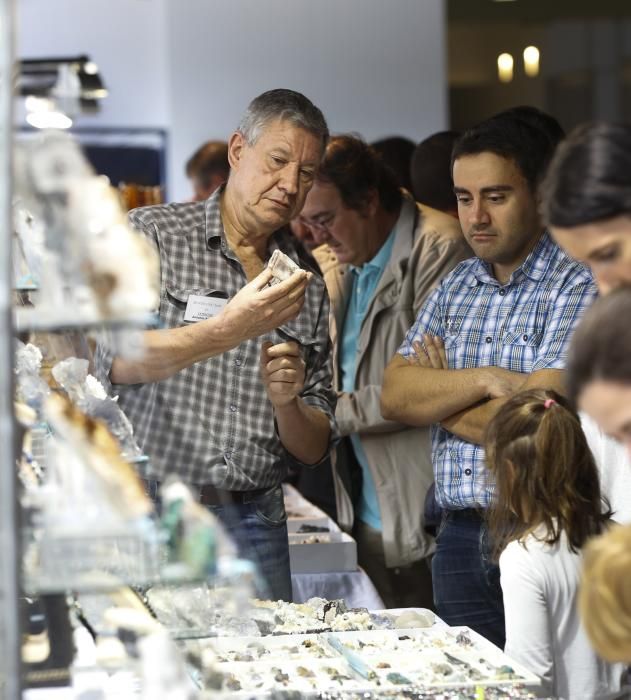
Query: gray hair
(286, 105)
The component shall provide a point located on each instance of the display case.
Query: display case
(439, 657)
(9, 531)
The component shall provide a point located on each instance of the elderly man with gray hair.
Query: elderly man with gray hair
(236, 386)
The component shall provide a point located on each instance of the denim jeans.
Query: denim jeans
(259, 529)
(466, 582)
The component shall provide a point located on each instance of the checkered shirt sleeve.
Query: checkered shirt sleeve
(108, 341)
(570, 304)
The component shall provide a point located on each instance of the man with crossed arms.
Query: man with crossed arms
(499, 323)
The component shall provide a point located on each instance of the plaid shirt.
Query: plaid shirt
(213, 422)
(523, 326)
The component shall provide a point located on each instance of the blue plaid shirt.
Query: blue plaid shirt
(524, 326)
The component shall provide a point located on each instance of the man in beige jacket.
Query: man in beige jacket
(391, 252)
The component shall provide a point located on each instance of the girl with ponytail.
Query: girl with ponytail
(547, 504)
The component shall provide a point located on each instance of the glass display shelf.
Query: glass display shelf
(10, 632)
(61, 320)
(97, 561)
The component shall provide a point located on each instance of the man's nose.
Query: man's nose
(478, 213)
(289, 178)
(603, 289)
(607, 281)
(320, 235)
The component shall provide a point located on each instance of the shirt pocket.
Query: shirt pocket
(175, 299)
(520, 347)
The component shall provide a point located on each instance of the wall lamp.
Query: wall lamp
(65, 86)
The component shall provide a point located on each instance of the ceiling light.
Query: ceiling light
(37, 104)
(49, 120)
(42, 113)
(74, 82)
(505, 67)
(531, 61)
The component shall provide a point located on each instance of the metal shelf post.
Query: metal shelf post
(10, 562)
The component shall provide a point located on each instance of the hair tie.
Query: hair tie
(548, 402)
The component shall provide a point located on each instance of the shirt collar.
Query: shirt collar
(281, 238)
(535, 266)
(214, 225)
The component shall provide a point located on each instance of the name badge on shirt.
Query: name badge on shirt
(199, 308)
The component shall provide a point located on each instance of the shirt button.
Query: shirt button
(233, 408)
(525, 337)
(502, 292)
(227, 455)
(468, 472)
(489, 339)
(237, 363)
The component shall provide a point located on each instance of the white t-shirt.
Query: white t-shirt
(543, 630)
(614, 467)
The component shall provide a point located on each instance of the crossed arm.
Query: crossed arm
(423, 390)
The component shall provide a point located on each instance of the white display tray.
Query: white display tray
(351, 661)
(309, 676)
(338, 554)
(418, 654)
(294, 524)
(290, 647)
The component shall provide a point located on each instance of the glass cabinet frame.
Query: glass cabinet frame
(10, 559)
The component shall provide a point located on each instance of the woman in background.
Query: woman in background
(586, 200)
(547, 505)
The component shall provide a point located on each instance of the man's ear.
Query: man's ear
(236, 144)
(538, 196)
(370, 205)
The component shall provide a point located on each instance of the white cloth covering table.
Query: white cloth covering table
(355, 587)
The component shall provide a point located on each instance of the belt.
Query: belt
(465, 514)
(209, 495)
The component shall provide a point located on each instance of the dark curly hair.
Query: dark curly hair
(352, 166)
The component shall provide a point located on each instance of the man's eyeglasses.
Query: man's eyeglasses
(321, 224)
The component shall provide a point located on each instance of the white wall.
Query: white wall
(126, 38)
(372, 66)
